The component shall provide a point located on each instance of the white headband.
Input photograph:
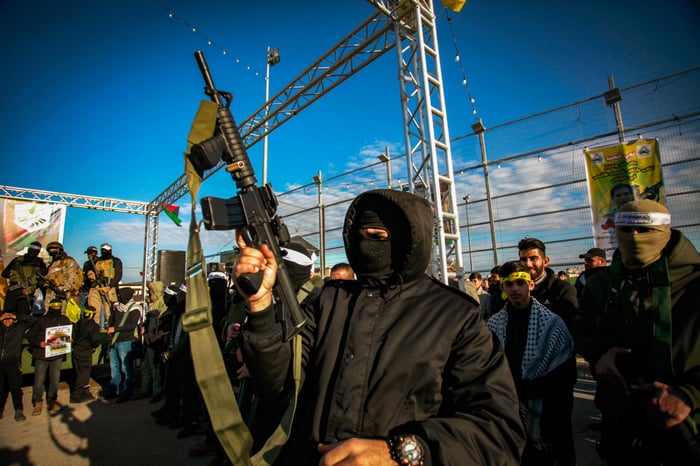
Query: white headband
(632, 219)
(215, 275)
(299, 258)
(34, 246)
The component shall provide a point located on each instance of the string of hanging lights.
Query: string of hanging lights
(210, 42)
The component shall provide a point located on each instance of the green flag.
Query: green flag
(172, 211)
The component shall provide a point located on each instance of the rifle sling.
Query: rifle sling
(121, 323)
(210, 371)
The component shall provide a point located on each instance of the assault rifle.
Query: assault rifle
(47, 282)
(23, 283)
(100, 279)
(252, 211)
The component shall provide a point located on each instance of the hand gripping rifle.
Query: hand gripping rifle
(101, 281)
(50, 284)
(252, 211)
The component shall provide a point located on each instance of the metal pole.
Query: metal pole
(469, 237)
(387, 160)
(273, 57)
(612, 98)
(267, 110)
(479, 129)
(321, 223)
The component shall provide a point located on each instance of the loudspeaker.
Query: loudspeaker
(171, 267)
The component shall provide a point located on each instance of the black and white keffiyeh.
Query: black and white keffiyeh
(549, 342)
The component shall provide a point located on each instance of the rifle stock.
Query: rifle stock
(252, 211)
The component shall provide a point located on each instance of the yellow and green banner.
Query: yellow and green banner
(617, 174)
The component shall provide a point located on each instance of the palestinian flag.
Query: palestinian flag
(172, 212)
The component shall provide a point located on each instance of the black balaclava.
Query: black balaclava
(33, 250)
(88, 312)
(56, 254)
(378, 262)
(174, 296)
(125, 294)
(106, 254)
(55, 308)
(298, 266)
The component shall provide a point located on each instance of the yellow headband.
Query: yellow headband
(516, 276)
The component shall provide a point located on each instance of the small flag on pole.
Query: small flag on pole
(172, 212)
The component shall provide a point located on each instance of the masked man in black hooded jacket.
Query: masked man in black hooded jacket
(398, 368)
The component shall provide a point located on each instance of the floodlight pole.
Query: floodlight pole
(273, 57)
(387, 160)
(318, 180)
(479, 130)
(469, 236)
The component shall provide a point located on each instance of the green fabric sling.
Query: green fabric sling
(660, 282)
(210, 371)
(121, 324)
(662, 328)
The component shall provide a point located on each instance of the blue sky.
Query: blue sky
(97, 97)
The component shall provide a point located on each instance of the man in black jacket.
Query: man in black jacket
(557, 295)
(44, 361)
(397, 366)
(594, 260)
(121, 329)
(12, 332)
(86, 339)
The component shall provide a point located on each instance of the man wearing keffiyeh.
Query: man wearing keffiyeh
(540, 352)
(638, 329)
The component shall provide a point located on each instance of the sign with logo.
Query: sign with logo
(27, 221)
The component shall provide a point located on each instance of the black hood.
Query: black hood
(409, 219)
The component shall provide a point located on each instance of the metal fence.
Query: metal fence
(530, 177)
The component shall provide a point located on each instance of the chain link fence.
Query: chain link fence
(530, 179)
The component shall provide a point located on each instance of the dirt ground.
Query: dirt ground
(105, 433)
(95, 433)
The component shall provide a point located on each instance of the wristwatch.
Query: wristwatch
(406, 450)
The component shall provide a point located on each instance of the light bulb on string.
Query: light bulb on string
(171, 15)
(459, 60)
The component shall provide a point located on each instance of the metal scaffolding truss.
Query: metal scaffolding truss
(408, 26)
(369, 41)
(426, 131)
(97, 203)
(75, 200)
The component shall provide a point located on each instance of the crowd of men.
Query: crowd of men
(396, 367)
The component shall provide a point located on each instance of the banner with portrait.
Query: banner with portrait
(58, 340)
(617, 174)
